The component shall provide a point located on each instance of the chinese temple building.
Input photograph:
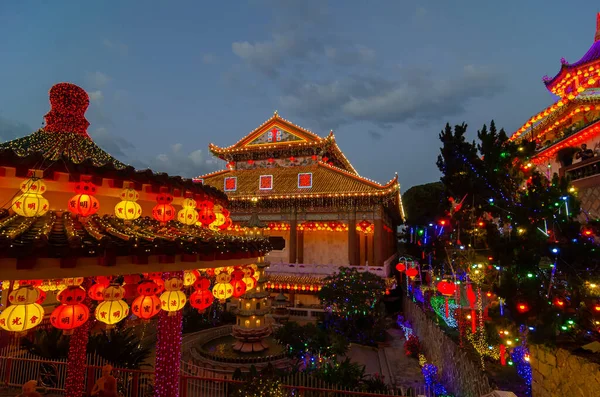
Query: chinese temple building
(573, 120)
(317, 211)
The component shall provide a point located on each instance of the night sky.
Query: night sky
(167, 78)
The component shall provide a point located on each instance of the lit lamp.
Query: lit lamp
(223, 289)
(31, 203)
(23, 313)
(127, 209)
(188, 214)
(201, 299)
(113, 309)
(173, 299)
(84, 203)
(164, 210)
(72, 313)
(147, 305)
(219, 218)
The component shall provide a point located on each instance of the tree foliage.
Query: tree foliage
(121, 347)
(311, 339)
(424, 203)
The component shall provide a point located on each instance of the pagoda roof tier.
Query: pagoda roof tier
(584, 72)
(325, 181)
(582, 136)
(558, 115)
(278, 138)
(61, 245)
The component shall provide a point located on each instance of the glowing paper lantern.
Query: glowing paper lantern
(84, 203)
(447, 289)
(223, 289)
(239, 286)
(163, 211)
(23, 313)
(206, 215)
(31, 202)
(113, 309)
(96, 292)
(201, 298)
(412, 272)
(173, 299)
(248, 279)
(147, 305)
(127, 209)
(72, 313)
(219, 217)
(189, 278)
(188, 215)
(401, 267)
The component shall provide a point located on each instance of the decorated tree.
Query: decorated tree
(307, 341)
(354, 299)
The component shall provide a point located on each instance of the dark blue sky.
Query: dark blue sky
(167, 78)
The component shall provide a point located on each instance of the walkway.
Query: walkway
(404, 371)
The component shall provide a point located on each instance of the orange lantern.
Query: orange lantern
(163, 211)
(239, 286)
(147, 305)
(96, 292)
(72, 313)
(84, 203)
(173, 299)
(113, 309)
(23, 313)
(412, 272)
(223, 289)
(157, 278)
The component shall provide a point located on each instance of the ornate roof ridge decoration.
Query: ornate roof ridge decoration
(241, 144)
(359, 178)
(309, 139)
(540, 121)
(592, 55)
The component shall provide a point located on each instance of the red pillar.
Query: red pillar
(77, 359)
(352, 240)
(378, 242)
(168, 351)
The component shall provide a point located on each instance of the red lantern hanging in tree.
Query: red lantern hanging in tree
(412, 272)
(202, 298)
(147, 304)
(84, 203)
(164, 210)
(447, 289)
(522, 307)
(401, 267)
(72, 313)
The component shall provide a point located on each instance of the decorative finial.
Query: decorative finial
(563, 61)
(68, 104)
(276, 114)
(597, 36)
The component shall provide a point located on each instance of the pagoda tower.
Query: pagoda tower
(567, 133)
(251, 327)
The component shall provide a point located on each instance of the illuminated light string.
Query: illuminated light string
(438, 304)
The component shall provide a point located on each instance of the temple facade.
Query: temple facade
(561, 130)
(300, 190)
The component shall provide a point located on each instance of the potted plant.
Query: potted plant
(565, 155)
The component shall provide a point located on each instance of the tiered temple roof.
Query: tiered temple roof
(280, 160)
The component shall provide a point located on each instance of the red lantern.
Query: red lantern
(206, 215)
(147, 305)
(163, 211)
(447, 289)
(412, 272)
(401, 267)
(201, 299)
(96, 292)
(72, 313)
(239, 286)
(84, 203)
(41, 298)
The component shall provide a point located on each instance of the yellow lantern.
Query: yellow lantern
(249, 279)
(113, 308)
(223, 288)
(188, 215)
(127, 209)
(23, 313)
(189, 278)
(173, 299)
(31, 203)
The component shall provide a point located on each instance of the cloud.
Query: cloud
(111, 143)
(186, 164)
(10, 129)
(97, 79)
(375, 135)
(209, 59)
(95, 96)
(420, 12)
(116, 46)
(414, 96)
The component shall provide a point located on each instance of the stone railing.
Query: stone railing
(557, 373)
(459, 373)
